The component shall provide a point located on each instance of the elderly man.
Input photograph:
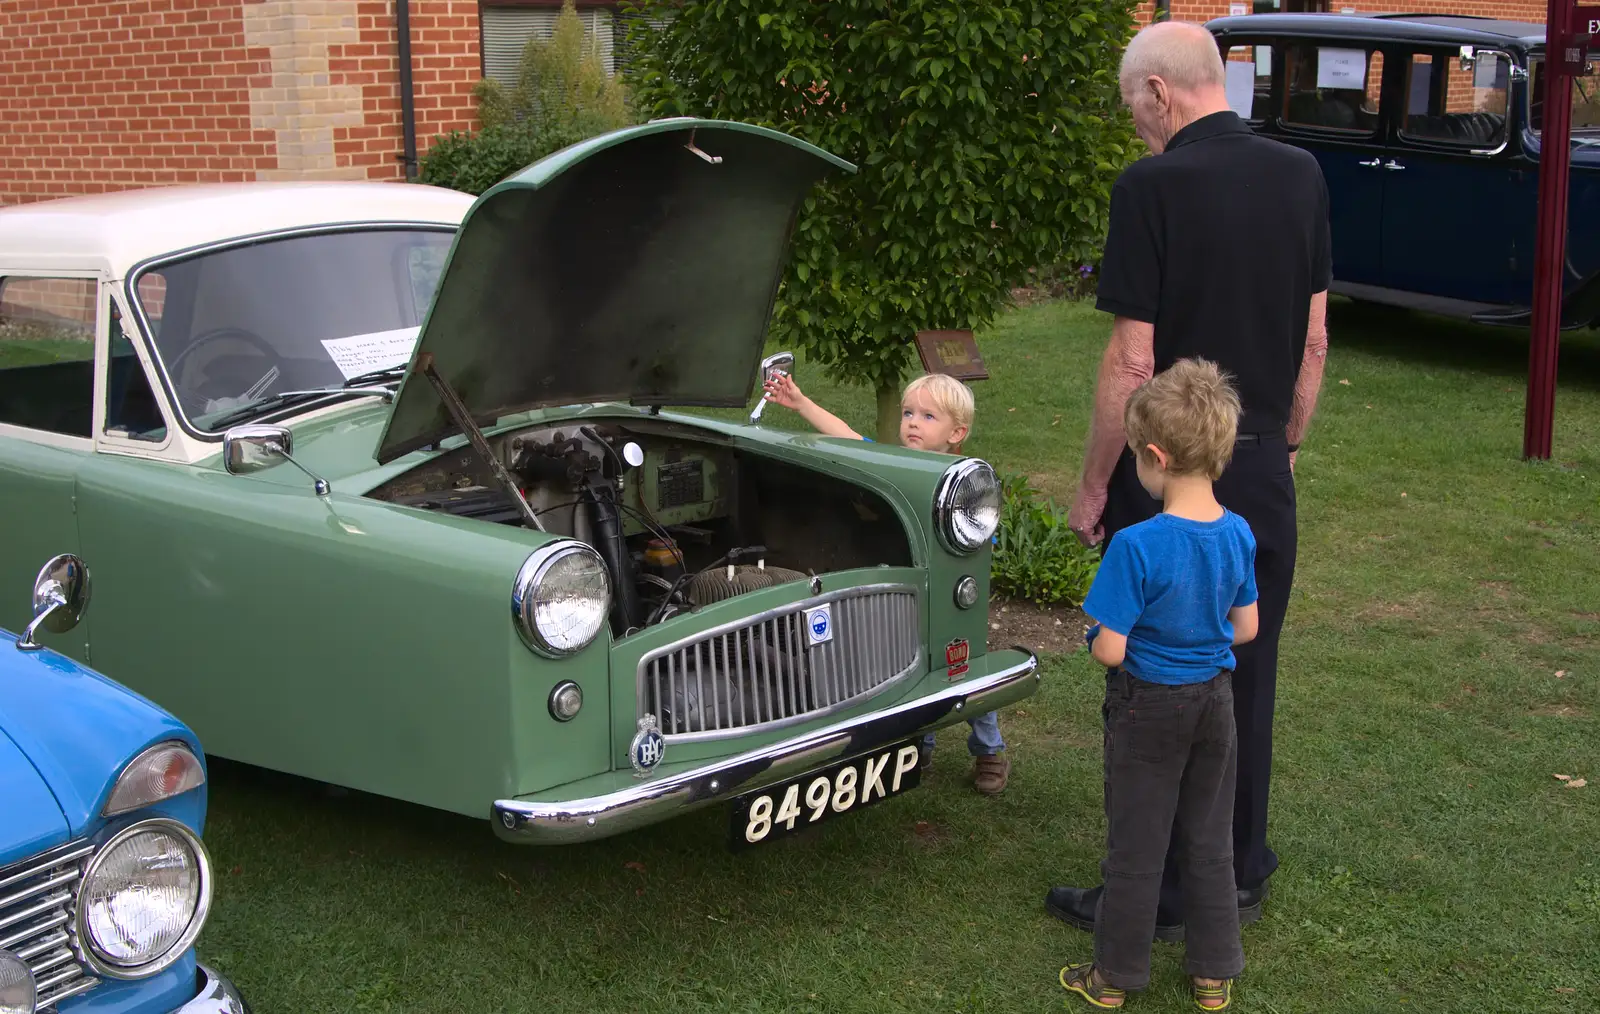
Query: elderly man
(1218, 248)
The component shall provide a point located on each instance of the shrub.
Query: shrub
(563, 95)
(987, 133)
(1037, 557)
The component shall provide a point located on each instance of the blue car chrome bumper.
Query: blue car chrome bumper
(216, 995)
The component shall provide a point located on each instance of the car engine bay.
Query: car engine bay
(681, 518)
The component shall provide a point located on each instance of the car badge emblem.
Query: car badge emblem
(648, 747)
(819, 624)
(955, 656)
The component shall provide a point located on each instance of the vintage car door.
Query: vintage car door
(47, 398)
(1451, 178)
(1329, 105)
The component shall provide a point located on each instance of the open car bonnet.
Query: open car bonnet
(637, 266)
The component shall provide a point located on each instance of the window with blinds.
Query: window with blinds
(507, 31)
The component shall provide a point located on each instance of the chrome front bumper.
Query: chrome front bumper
(216, 995)
(647, 802)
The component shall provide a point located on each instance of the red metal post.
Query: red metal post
(1550, 245)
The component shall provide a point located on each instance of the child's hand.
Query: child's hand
(782, 390)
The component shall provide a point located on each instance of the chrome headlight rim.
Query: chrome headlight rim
(529, 576)
(88, 947)
(943, 512)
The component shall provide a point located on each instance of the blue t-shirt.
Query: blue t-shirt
(1167, 584)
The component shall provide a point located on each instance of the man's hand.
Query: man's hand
(1291, 461)
(782, 390)
(1084, 516)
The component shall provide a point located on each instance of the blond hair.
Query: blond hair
(1181, 53)
(1189, 410)
(948, 395)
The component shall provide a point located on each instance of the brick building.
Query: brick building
(107, 94)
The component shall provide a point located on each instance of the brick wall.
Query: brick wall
(98, 95)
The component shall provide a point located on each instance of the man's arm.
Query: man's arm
(1309, 384)
(1129, 361)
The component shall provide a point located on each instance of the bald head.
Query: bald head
(1171, 76)
(1182, 54)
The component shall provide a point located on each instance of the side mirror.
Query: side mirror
(778, 362)
(60, 596)
(1468, 57)
(251, 448)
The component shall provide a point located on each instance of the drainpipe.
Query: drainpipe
(1162, 12)
(408, 112)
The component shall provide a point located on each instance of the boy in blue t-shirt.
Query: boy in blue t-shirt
(1172, 597)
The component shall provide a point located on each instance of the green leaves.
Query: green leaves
(1036, 556)
(987, 134)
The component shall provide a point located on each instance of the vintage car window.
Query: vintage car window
(132, 411)
(1249, 81)
(1333, 88)
(47, 354)
(1585, 103)
(1447, 103)
(235, 326)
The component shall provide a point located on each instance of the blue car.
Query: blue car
(1428, 130)
(104, 883)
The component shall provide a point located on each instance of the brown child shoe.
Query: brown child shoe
(989, 773)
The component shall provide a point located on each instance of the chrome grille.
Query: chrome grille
(762, 670)
(38, 921)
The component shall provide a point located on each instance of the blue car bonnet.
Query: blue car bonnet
(65, 734)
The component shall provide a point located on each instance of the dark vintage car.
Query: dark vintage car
(1428, 132)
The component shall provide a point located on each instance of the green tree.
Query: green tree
(563, 95)
(988, 134)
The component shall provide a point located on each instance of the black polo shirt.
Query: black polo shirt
(1220, 242)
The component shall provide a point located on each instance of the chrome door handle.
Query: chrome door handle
(1372, 164)
(1392, 165)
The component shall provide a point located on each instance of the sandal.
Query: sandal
(1223, 992)
(1079, 979)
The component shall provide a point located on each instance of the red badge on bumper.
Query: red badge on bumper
(955, 656)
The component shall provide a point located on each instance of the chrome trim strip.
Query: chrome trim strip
(43, 861)
(214, 995)
(577, 820)
(829, 678)
(81, 986)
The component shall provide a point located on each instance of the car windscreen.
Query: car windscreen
(1585, 102)
(243, 325)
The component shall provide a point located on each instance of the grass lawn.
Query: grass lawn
(1442, 662)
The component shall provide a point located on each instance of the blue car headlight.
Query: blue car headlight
(17, 994)
(145, 896)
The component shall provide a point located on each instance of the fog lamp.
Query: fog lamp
(565, 701)
(967, 592)
(17, 993)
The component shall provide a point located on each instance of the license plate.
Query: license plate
(793, 806)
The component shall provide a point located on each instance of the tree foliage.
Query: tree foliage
(563, 95)
(987, 132)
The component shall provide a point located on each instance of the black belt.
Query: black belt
(1256, 438)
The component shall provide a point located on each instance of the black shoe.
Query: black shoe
(1250, 904)
(1075, 906)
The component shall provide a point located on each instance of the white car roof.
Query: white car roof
(110, 233)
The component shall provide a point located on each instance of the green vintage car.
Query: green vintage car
(480, 567)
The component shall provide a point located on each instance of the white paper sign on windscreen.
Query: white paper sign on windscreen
(363, 353)
(1241, 87)
(1342, 68)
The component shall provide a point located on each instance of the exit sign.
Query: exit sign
(1586, 20)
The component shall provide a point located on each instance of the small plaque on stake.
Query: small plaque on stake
(952, 352)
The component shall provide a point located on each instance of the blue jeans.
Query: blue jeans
(985, 739)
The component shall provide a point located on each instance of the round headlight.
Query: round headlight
(966, 506)
(145, 896)
(561, 598)
(17, 994)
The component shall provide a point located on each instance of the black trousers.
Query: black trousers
(1170, 758)
(1259, 487)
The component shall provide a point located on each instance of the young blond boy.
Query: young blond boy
(935, 415)
(1172, 597)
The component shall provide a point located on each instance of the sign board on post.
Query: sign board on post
(1586, 20)
(952, 352)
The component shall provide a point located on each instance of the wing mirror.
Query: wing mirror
(778, 362)
(247, 449)
(60, 596)
(1468, 57)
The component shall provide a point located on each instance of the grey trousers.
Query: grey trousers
(1171, 757)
